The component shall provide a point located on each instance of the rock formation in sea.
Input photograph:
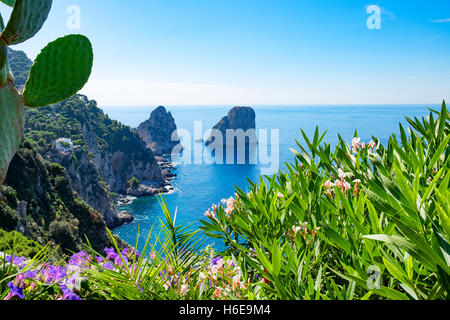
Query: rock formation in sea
(158, 131)
(243, 118)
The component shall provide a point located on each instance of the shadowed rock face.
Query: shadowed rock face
(238, 118)
(157, 132)
(40, 202)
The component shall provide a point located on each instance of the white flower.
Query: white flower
(356, 142)
(296, 229)
(184, 289)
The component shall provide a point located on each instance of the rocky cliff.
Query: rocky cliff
(20, 66)
(100, 155)
(238, 118)
(157, 132)
(38, 201)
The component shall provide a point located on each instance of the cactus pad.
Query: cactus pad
(8, 2)
(60, 71)
(26, 20)
(11, 125)
(3, 55)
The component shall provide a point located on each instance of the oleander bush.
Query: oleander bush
(362, 221)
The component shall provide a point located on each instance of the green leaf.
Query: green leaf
(336, 239)
(444, 219)
(382, 291)
(439, 152)
(406, 245)
(276, 258)
(442, 121)
(26, 20)
(3, 62)
(60, 71)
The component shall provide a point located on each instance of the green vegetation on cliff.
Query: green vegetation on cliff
(73, 119)
(20, 66)
(39, 201)
(15, 243)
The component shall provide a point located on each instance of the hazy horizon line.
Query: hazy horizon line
(275, 105)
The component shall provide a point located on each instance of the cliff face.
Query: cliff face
(238, 118)
(101, 155)
(157, 132)
(38, 200)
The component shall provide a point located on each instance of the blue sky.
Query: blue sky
(235, 52)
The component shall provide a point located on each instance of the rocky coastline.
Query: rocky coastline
(148, 189)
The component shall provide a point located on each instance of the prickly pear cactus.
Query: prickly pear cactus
(11, 125)
(54, 77)
(61, 69)
(27, 19)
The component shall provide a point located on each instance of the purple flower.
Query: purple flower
(30, 274)
(15, 260)
(79, 259)
(108, 266)
(215, 260)
(111, 253)
(14, 292)
(53, 274)
(118, 260)
(68, 294)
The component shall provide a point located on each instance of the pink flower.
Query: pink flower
(184, 289)
(342, 174)
(210, 214)
(356, 142)
(229, 210)
(372, 145)
(237, 282)
(347, 186)
(296, 230)
(305, 225)
(218, 292)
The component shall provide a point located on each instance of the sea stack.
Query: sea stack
(157, 132)
(238, 118)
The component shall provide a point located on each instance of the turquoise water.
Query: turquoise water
(198, 186)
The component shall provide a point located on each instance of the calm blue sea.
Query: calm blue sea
(199, 186)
